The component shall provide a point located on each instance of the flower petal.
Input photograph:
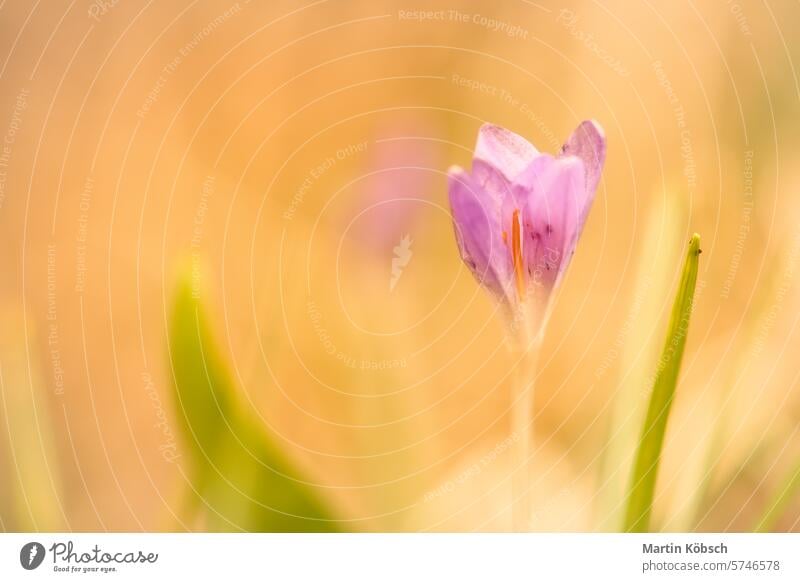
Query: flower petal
(478, 233)
(495, 185)
(529, 185)
(588, 142)
(552, 217)
(503, 150)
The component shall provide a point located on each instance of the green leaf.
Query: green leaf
(31, 495)
(660, 249)
(239, 473)
(202, 389)
(648, 455)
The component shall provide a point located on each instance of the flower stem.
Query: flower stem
(525, 350)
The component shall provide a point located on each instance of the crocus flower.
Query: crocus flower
(519, 213)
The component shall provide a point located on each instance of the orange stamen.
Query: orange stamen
(516, 253)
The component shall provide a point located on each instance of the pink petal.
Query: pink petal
(478, 233)
(503, 150)
(588, 142)
(552, 218)
(493, 182)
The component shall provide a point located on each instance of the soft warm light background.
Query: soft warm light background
(285, 149)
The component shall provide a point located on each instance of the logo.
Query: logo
(31, 555)
(402, 255)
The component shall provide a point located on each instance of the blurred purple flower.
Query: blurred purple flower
(519, 213)
(399, 172)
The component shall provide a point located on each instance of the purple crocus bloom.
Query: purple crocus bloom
(519, 213)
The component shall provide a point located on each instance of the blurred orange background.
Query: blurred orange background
(284, 150)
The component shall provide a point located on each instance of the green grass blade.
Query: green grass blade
(203, 393)
(243, 477)
(648, 455)
(660, 249)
